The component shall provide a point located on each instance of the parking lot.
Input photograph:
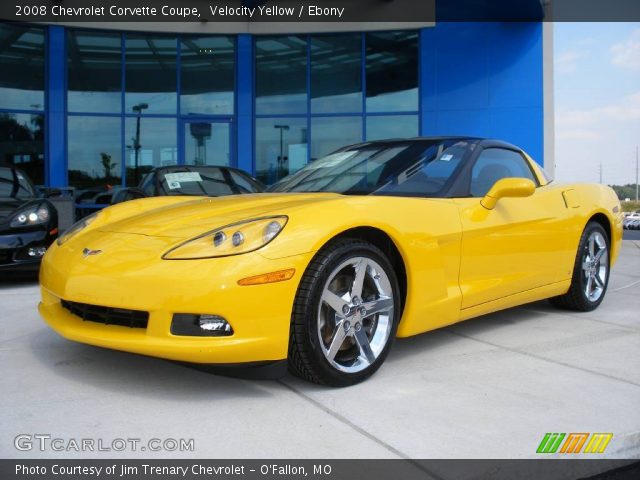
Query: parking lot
(490, 387)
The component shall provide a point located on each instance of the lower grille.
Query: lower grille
(5, 256)
(108, 315)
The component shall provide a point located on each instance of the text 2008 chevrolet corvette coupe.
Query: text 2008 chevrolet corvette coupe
(374, 241)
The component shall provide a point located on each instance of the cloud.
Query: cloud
(566, 61)
(626, 54)
(589, 124)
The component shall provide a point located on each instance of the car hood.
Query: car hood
(188, 218)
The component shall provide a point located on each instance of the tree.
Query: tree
(105, 159)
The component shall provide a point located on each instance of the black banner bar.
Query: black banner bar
(341, 11)
(548, 469)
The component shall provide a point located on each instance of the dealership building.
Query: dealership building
(96, 105)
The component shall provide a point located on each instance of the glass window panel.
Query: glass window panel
(151, 73)
(152, 145)
(94, 155)
(94, 68)
(392, 126)
(281, 75)
(336, 74)
(207, 69)
(330, 133)
(22, 143)
(207, 143)
(22, 72)
(392, 71)
(281, 147)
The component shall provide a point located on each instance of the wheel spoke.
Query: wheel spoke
(358, 281)
(592, 247)
(365, 347)
(336, 342)
(599, 255)
(381, 305)
(334, 301)
(589, 286)
(598, 280)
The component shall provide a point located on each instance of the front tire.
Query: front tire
(590, 272)
(345, 315)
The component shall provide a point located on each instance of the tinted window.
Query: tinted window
(380, 127)
(22, 143)
(402, 168)
(336, 73)
(149, 143)
(94, 153)
(281, 75)
(330, 133)
(191, 181)
(15, 184)
(22, 72)
(494, 164)
(207, 75)
(245, 184)
(392, 71)
(94, 69)
(148, 184)
(281, 147)
(151, 74)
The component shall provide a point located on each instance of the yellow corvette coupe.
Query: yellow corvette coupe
(376, 240)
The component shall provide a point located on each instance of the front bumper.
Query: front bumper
(134, 277)
(14, 248)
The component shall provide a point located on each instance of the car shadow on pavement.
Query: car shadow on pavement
(136, 375)
(444, 337)
(152, 377)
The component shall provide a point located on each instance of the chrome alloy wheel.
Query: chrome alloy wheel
(355, 314)
(595, 266)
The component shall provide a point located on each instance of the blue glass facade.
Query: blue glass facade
(111, 104)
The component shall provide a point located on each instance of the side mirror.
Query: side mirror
(508, 187)
(48, 192)
(127, 194)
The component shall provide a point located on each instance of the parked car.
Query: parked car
(376, 240)
(630, 219)
(210, 181)
(28, 222)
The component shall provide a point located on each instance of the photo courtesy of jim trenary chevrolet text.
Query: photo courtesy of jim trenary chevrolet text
(325, 239)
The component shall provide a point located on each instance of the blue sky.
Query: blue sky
(597, 101)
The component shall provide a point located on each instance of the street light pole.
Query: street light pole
(636, 173)
(282, 128)
(136, 143)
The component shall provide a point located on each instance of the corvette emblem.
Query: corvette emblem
(87, 252)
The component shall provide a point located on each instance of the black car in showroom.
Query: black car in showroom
(28, 223)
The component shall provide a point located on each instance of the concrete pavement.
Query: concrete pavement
(486, 388)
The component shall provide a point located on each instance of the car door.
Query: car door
(518, 245)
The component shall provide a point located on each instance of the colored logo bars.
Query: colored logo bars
(574, 442)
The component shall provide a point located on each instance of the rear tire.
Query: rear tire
(345, 314)
(590, 272)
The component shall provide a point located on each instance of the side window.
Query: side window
(494, 164)
(148, 184)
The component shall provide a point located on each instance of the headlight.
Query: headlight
(235, 239)
(37, 214)
(76, 227)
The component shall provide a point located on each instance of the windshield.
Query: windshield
(15, 184)
(206, 181)
(413, 168)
